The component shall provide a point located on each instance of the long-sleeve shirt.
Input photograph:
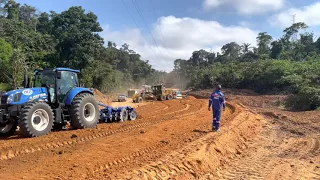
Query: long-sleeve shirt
(217, 100)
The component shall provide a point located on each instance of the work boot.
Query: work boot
(213, 129)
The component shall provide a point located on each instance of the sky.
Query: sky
(163, 30)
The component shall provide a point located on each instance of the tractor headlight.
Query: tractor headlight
(10, 99)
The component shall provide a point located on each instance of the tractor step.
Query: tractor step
(65, 114)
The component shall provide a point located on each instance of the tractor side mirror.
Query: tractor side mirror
(59, 75)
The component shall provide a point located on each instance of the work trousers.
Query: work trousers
(216, 118)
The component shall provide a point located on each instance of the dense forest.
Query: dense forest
(32, 40)
(288, 65)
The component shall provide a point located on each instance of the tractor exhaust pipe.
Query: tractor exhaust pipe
(26, 80)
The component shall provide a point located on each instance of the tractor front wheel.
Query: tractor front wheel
(36, 119)
(84, 111)
(169, 97)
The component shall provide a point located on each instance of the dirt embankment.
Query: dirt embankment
(287, 147)
(205, 154)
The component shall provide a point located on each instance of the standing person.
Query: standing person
(217, 100)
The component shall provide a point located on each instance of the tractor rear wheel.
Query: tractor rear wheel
(163, 98)
(8, 129)
(84, 111)
(36, 119)
(140, 100)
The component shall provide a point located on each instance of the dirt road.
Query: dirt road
(170, 139)
(110, 149)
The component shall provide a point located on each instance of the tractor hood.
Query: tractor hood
(21, 96)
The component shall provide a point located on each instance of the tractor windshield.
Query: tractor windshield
(68, 81)
(45, 79)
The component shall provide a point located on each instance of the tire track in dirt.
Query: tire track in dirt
(105, 145)
(51, 145)
(174, 164)
(177, 142)
(163, 169)
(305, 148)
(132, 156)
(63, 134)
(187, 106)
(315, 150)
(146, 111)
(264, 160)
(153, 151)
(253, 167)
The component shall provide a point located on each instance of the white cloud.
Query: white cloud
(182, 37)
(309, 14)
(208, 4)
(246, 7)
(245, 24)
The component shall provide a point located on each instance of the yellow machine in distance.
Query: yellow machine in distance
(143, 95)
(161, 93)
(157, 92)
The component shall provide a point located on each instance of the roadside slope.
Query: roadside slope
(287, 147)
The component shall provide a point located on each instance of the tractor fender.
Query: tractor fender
(74, 92)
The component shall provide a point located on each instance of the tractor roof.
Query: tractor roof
(60, 69)
(67, 69)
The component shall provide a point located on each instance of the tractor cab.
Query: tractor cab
(158, 89)
(162, 93)
(158, 92)
(58, 82)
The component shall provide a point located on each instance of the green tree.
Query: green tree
(245, 48)
(12, 8)
(18, 66)
(276, 49)
(5, 52)
(5, 55)
(264, 41)
(78, 41)
(231, 51)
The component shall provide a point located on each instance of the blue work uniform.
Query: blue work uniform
(217, 100)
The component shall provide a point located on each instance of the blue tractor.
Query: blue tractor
(54, 99)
